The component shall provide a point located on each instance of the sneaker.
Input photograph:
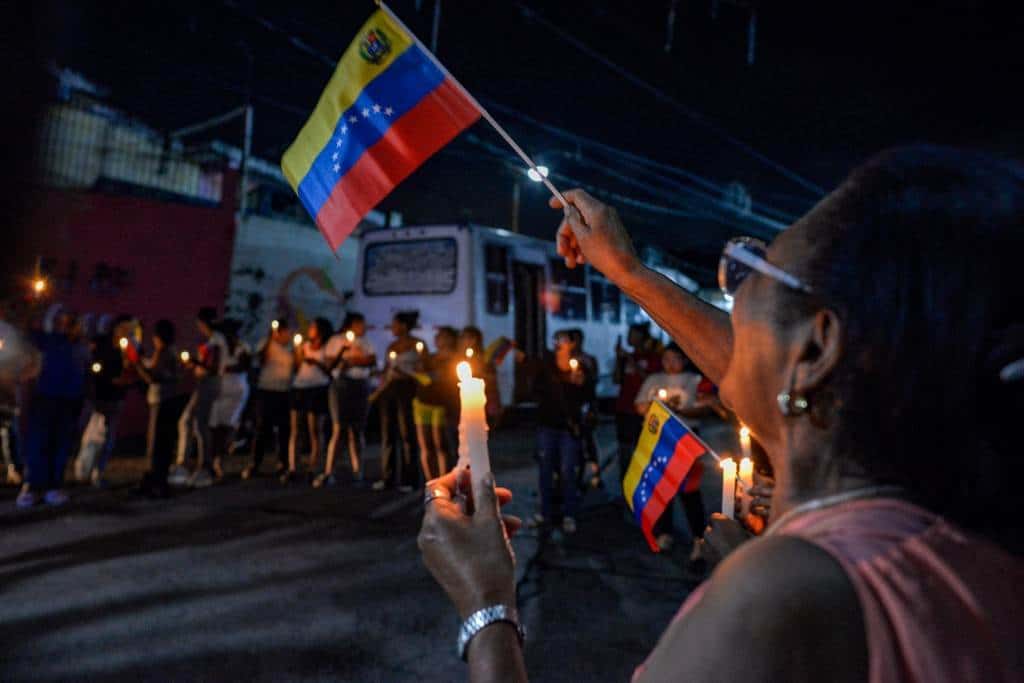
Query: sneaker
(178, 476)
(56, 498)
(664, 542)
(569, 525)
(13, 475)
(248, 472)
(26, 498)
(287, 477)
(200, 480)
(379, 485)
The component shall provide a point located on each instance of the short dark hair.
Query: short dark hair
(449, 331)
(351, 318)
(642, 328)
(208, 315)
(164, 329)
(411, 319)
(918, 254)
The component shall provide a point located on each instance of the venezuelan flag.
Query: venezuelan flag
(661, 464)
(497, 350)
(388, 107)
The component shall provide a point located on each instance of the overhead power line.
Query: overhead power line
(692, 114)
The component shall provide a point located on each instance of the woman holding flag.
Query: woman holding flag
(882, 560)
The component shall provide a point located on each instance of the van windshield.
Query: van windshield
(410, 267)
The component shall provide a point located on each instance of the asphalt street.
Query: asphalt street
(256, 581)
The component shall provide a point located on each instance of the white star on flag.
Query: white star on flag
(389, 111)
(334, 156)
(352, 119)
(376, 109)
(366, 113)
(337, 168)
(344, 129)
(338, 143)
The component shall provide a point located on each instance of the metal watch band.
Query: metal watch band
(483, 618)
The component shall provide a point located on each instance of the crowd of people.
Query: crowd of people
(303, 394)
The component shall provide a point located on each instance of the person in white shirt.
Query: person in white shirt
(206, 365)
(683, 398)
(309, 395)
(352, 358)
(226, 412)
(277, 365)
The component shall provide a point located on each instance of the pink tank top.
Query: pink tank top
(939, 605)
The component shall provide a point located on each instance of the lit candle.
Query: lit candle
(185, 356)
(662, 394)
(574, 364)
(745, 441)
(472, 423)
(350, 336)
(97, 368)
(392, 356)
(419, 347)
(746, 477)
(469, 352)
(297, 339)
(728, 466)
(274, 324)
(39, 285)
(123, 343)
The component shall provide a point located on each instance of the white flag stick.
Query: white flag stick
(483, 112)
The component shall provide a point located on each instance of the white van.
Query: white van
(504, 283)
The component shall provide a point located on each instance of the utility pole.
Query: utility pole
(436, 28)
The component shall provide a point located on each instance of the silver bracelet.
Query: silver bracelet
(483, 618)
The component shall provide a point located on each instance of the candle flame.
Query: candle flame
(727, 463)
(744, 432)
(274, 324)
(123, 342)
(573, 364)
(419, 347)
(469, 352)
(662, 394)
(464, 371)
(184, 356)
(39, 285)
(393, 355)
(350, 336)
(297, 339)
(96, 367)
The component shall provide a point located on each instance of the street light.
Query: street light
(539, 175)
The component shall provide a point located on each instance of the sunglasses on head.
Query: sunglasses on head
(743, 255)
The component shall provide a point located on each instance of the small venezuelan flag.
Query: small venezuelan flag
(497, 350)
(661, 464)
(388, 107)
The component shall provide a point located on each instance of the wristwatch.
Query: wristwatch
(483, 618)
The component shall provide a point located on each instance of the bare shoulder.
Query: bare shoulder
(779, 608)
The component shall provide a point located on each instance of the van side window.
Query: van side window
(568, 291)
(605, 300)
(496, 273)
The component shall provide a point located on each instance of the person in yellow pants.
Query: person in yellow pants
(436, 394)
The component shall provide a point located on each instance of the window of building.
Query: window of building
(410, 267)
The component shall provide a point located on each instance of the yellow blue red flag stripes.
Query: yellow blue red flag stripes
(387, 108)
(662, 461)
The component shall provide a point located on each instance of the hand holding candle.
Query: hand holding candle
(472, 425)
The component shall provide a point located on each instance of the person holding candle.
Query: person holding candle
(276, 360)
(471, 345)
(161, 373)
(194, 423)
(309, 396)
(886, 557)
(563, 386)
(353, 358)
(394, 404)
(232, 395)
(436, 402)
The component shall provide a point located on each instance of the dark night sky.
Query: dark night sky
(831, 86)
